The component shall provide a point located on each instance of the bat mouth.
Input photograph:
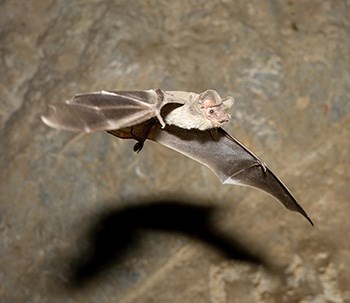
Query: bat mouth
(219, 122)
(225, 119)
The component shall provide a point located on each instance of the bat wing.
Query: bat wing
(229, 159)
(107, 110)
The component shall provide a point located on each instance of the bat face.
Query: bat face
(216, 114)
(213, 108)
(186, 128)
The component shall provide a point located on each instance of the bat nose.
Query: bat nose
(225, 119)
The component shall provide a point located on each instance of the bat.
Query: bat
(186, 122)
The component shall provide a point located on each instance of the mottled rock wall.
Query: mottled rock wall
(287, 64)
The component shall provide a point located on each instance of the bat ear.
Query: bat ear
(228, 102)
(209, 98)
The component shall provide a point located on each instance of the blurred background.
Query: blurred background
(85, 219)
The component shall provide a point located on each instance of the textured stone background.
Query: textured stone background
(287, 64)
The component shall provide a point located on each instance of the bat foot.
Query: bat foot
(138, 146)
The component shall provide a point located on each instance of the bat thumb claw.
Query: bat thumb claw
(160, 119)
(47, 121)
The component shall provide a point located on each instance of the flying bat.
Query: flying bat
(186, 122)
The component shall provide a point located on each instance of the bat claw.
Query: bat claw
(263, 166)
(138, 146)
(160, 119)
(160, 99)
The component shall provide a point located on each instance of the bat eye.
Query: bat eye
(211, 111)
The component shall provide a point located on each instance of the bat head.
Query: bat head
(214, 108)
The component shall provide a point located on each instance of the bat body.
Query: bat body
(185, 122)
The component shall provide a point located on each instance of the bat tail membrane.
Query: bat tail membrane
(264, 179)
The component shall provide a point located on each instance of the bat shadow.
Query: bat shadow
(116, 232)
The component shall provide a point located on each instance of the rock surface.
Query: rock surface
(62, 194)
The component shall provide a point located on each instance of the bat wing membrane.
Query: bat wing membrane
(229, 159)
(105, 110)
